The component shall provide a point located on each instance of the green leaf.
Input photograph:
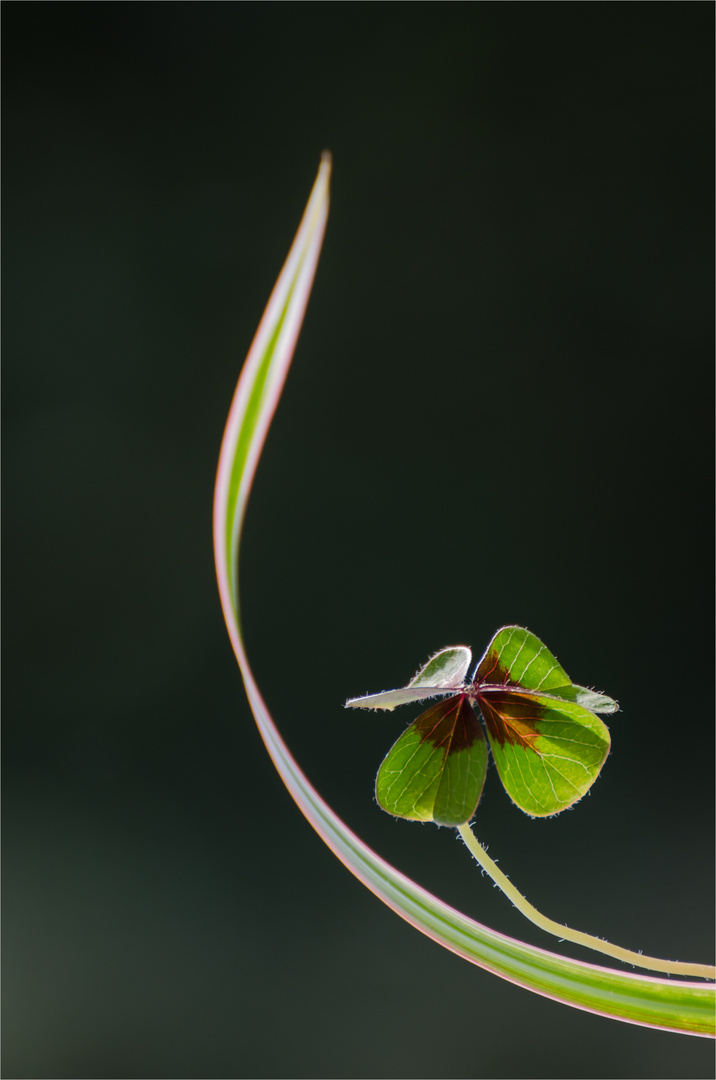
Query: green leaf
(668, 1004)
(443, 674)
(548, 747)
(515, 657)
(548, 752)
(588, 699)
(436, 769)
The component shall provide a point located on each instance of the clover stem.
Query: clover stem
(675, 967)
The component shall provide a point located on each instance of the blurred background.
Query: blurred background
(500, 411)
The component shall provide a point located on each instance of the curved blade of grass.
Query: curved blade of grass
(671, 1005)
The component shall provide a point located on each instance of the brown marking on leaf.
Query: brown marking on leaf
(451, 725)
(492, 670)
(511, 718)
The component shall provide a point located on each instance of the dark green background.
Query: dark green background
(500, 411)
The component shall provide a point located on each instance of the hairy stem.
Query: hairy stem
(674, 967)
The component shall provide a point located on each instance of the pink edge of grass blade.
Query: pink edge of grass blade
(670, 1005)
